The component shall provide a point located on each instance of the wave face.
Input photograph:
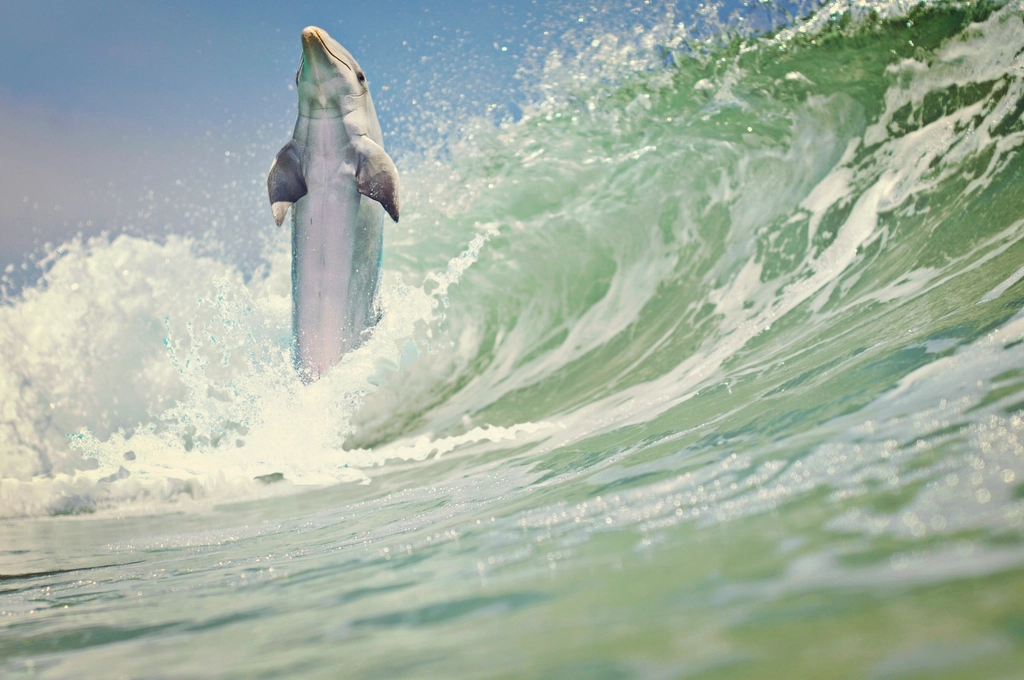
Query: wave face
(710, 362)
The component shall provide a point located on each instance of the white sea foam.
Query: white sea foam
(174, 378)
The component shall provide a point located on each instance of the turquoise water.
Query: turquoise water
(710, 365)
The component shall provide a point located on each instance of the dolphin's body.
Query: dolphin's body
(341, 181)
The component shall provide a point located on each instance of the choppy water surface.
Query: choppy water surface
(712, 364)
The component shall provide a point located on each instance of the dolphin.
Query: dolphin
(338, 181)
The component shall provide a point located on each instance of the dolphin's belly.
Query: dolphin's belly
(337, 242)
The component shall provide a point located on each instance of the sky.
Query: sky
(148, 116)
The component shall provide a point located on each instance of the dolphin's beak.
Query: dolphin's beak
(315, 50)
(310, 37)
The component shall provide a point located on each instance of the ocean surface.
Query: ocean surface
(709, 363)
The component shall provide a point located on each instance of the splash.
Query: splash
(182, 371)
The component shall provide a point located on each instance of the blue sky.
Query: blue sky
(112, 112)
(178, 64)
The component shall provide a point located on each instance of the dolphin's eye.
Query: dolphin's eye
(361, 77)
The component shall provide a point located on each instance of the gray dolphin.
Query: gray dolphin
(341, 181)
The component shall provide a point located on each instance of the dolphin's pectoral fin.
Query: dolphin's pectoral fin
(285, 183)
(377, 176)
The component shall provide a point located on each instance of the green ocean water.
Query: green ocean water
(710, 365)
